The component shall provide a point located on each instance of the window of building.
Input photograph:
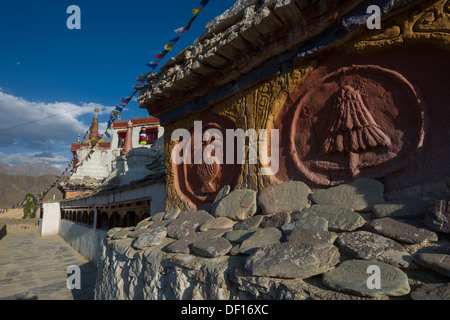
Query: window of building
(152, 135)
(121, 137)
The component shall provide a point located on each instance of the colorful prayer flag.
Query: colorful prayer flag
(107, 134)
(125, 101)
(180, 31)
(169, 47)
(197, 11)
(174, 40)
(140, 80)
(204, 2)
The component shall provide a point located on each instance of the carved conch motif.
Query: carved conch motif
(353, 128)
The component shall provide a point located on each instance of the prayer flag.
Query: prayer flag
(140, 80)
(169, 47)
(107, 134)
(174, 40)
(125, 101)
(114, 112)
(197, 11)
(180, 31)
(204, 2)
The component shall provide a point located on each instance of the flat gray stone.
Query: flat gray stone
(158, 216)
(184, 244)
(308, 236)
(286, 197)
(187, 224)
(306, 220)
(222, 194)
(122, 234)
(359, 195)
(406, 231)
(401, 209)
(438, 262)
(432, 291)
(217, 223)
(162, 223)
(111, 232)
(237, 236)
(292, 260)
(137, 232)
(153, 237)
(260, 238)
(144, 223)
(339, 218)
(211, 248)
(237, 205)
(438, 216)
(276, 220)
(370, 246)
(249, 224)
(352, 276)
(172, 214)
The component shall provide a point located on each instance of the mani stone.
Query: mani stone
(222, 194)
(158, 217)
(112, 232)
(410, 232)
(370, 246)
(339, 218)
(211, 248)
(217, 223)
(187, 224)
(184, 244)
(432, 291)
(306, 220)
(122, 234)
(353, 276)
(275, 220)
(359, 195)
(307, 236)
(237, 236)
(292, 260)
(401, 209)
(438, 216)
(438, 262)
(260, 238)
(286, 197)
(249, 224)
(153, 237)
(237, 205)
(172, 214)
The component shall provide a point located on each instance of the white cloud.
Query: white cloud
(43, 132)
(59, 160)
(39, 125)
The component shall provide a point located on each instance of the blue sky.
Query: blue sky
(52, 78)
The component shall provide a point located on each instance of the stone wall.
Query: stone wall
(285, 242)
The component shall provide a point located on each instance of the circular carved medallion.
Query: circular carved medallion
(359, 121)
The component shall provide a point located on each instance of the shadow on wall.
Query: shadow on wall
(88, 275)
(2, 231)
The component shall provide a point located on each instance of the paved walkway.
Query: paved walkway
(35, 267)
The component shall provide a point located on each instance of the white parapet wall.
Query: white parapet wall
(84, 239)
(49, 223)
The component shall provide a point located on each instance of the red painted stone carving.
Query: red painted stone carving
(200, 183)
(359, 121)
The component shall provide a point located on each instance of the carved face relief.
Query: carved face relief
(359, 121)
(200, 183)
